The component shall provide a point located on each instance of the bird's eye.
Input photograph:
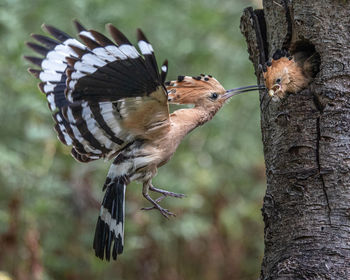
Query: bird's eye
(278, 80)
(214, 95)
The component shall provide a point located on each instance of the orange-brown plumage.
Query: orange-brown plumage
(193, 90)
(289, 74)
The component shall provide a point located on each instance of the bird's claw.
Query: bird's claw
(165, 212)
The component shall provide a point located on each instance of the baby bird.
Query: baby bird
(289, 74)
(109, 101)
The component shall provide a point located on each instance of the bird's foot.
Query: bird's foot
(165, 212)
(166, 193)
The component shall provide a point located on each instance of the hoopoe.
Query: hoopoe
(289, 74)
(109, 101)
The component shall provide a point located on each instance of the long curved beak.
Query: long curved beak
(232, 92)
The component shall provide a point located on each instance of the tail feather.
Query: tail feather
(109, 234)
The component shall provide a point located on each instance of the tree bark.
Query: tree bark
(306, 139)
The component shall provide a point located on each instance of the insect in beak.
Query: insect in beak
(232, 92)
(276, 88)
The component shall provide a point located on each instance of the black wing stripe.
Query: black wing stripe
(66, 135)
(108, 77)
(88, 146)
(81, 157)
(55, 93)
(34, 72)
(117, 35)
(58, 34)
(79, 26)
(129, 86)
(99, 133)
(54, 88)
(35, 60)
(37, 48)
(89, 133)
(129, 50)
(86, 37)
(96, 111)
(54, 64)
(109, 72)
(148, 53)
(126, 52)
(48, 42)
(101, 39)
(110, 117)
(61, 130)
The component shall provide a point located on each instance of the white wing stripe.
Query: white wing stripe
(88, 34)
(76, 75)
(109, 118)
(50, 76)
(78, 135)
(116, 52)
(103, 54)
(85, 68)
(145, 47)
(48, 87)
(49, 64)
(73, 42)
(129, 50)
(94, 128)
(65, 50)
(56, 56)
(67, 138)
(51, 99)
(93, 60)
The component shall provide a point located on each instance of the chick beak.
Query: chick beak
(275, 89)
(232, 92)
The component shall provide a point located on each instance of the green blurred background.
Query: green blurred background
(49, 203)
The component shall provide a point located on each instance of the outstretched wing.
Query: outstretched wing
(103, 95)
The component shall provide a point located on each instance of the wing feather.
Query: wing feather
(103, 95)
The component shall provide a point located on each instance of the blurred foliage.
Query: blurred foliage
(49, 203)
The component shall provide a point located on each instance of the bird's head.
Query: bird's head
(283, 74)
(203, 90)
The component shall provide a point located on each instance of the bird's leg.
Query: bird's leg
(165, 212)
(165, 193)
(159, 199)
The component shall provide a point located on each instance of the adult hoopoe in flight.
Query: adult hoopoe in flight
(111, 102)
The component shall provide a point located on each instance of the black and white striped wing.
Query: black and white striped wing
(98, 89)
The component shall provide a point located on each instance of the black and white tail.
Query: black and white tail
(109, 233)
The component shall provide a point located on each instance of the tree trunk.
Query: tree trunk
(306, 139)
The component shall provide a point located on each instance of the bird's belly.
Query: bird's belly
(143, 160)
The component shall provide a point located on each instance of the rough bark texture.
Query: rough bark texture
(306, 141)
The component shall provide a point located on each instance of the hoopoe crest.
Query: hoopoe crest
(110, 101)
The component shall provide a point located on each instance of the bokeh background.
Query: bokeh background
(49, 203)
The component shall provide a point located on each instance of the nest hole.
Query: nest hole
(305, 52)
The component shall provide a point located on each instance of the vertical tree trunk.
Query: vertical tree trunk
(306, 141)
